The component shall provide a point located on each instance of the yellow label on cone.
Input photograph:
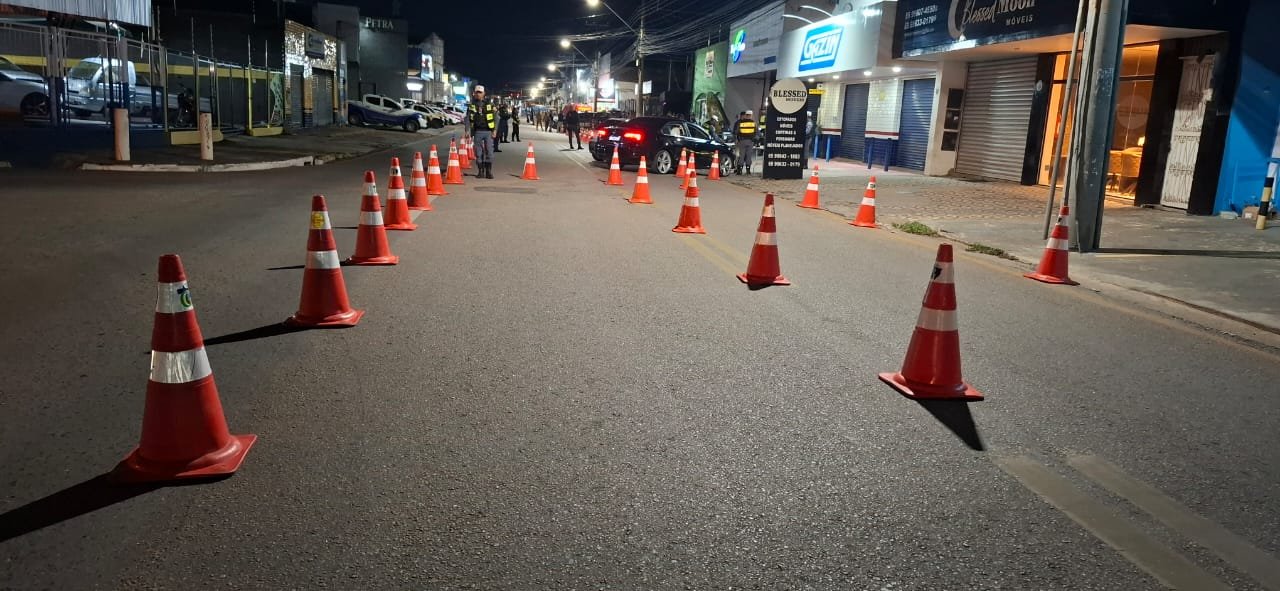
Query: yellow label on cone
(317, 220)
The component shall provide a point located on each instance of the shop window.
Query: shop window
(1133, 102)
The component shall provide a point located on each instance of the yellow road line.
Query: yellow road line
(731, 253)
(1260, 565)
(1166, 565)
(694, 243)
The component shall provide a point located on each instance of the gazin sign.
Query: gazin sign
(821, 45)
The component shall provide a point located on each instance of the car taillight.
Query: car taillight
(634, 135)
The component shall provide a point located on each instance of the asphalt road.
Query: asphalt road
(554, 391)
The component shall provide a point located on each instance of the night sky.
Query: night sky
(510, 42)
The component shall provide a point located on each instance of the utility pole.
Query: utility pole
(640, 67)
(595, 92)
(1094, 156)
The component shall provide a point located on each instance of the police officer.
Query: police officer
(515, 123)
(481, 124)
(745, 134)
(504, 117)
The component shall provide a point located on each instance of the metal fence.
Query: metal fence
(83, 75)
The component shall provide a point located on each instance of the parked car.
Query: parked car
(435, 119)
(600, 132)
(22, 93)
(448, 116)
(88, 92)
(660, 139)
(375, 109)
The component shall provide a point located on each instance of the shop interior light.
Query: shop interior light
(811, 79)
(870, 12)
(413, 86)
(867, 73)
(835, 76)
(897, 69)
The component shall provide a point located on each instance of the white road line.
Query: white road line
(1167, 566)
(1260, 565)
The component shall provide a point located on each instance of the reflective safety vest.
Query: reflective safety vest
(746, 129)
(479, 123)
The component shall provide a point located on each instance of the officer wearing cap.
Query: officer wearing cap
(745, 134)
(480, 121)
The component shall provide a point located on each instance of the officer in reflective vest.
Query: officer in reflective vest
(745, 134)
(480, 121)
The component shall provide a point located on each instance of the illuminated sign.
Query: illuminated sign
(821, 45)
(738, 45)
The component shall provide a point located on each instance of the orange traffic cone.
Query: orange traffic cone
(684, 175)
(641, 193)
(371, 236)
(811, 191)
(691, 189)
(680, 168)
(397, 205)
(324, 293)
(714, 173)
(690, 221)
(932, 367)
(453, 173)
(1053, 265)
(418, 197)
(464, 153)
(435, 183)
(867, 211)
(530, 166)
(184, 433)
(763, 268)
(615, 169)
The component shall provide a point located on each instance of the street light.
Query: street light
(565, 43)
(551, 67)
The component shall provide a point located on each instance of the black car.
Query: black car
(599, 131)
(660, 139)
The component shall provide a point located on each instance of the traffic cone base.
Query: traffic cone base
(689, 229)
(340, 320)
(1051, 279)
(919, 391)
(779, 280)
(224, 462)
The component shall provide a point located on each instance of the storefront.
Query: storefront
(710, 65)
(312, 71)
(754, 43)
(1005, 70)
(872, 108)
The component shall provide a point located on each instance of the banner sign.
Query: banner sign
(933, 26)
(784, 130)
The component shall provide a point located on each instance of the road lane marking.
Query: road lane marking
(1260, 565)
(694, 243)
(731, 253)
(1167, 566)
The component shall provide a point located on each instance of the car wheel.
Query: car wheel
(726, 165)
(356, 118)
(411, 126)
(34, 105)
(664, 162)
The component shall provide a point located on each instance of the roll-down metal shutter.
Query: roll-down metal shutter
(295, 96)
(854, 126)
(913, 132)
(997, 113)
(323, 97)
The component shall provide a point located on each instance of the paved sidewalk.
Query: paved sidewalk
(325, 144)
(1217, 265)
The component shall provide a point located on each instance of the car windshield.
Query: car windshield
(84, 70)
(8, 66)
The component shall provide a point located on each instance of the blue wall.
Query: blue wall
(1255, 112)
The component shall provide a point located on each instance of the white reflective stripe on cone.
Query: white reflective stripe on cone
(180, 367)
(768, 212)
(529, 161)
(172, 298)
(371, 218)
(642, 180)
(370, 189)
(325, 259)
(395, 171)
(418, 181)
(434, 170)
(943, 273)
(868, 201)
(691, 201)
(938, 320)
(811, 187)
(417, 166)
(395, 194)
(1058, 244)
(766, 238)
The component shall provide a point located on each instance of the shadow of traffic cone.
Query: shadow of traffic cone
(867, 211)
(690, 221)
(397, 205)
(615, 169)
(811, 192)
(641, 193)
(691, 186)
(763, 268)
(931, 370)
(453, 173)
(418, 197)
(371, 236)
(184, 433)
(530, 166)
(1053, 265)
(435, 183)
(714, 173)
(464, 153)
(324, 293)
(680, 168)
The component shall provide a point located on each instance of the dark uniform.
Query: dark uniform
(480, 120)
(503, 116)
(745, 134)
(515, 124)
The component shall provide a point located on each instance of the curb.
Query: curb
(245, 167)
